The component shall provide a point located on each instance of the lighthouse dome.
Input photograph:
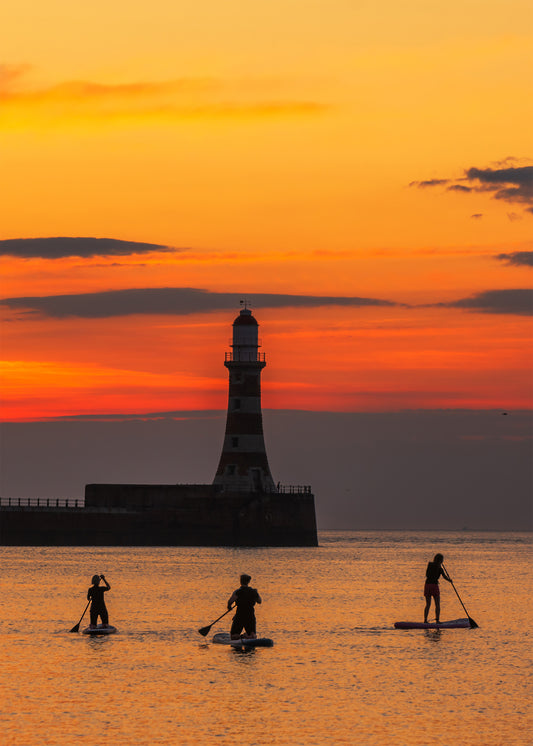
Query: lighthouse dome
(245, 318)
(245, 336)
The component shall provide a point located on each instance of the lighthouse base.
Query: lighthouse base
(166, 515)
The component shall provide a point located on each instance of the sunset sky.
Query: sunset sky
(361, 172)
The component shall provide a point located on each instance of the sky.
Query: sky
(360, 173)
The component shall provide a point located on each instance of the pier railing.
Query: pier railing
(42, 502)
(293, 489)
(243, 485)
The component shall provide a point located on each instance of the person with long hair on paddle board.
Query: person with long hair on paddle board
(434, 571)
(95, 595)
(245, 599)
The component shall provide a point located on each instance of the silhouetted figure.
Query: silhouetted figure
(431, 589)
(245, 598)
(95, 594)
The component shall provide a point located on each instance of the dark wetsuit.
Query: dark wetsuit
(95, 594)
(433, 573)
(245, 598)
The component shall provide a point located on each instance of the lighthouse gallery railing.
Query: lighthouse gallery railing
(244, 357)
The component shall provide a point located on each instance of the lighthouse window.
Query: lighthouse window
(236, 404)
(235, 442)
(230, 469)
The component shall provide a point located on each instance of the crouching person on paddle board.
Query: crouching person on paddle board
(431, 588)
(95, 594)
(245, 599)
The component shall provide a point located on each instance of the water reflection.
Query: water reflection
(158, 680)
(243, 651)
(433, 635)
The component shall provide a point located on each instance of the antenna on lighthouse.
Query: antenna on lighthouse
(245, 303)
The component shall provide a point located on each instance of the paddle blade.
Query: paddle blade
(76, 627)
(204, 631)
(473, 625)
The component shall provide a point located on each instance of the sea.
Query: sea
(338, 673)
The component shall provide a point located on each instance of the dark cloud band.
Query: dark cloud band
(64, 246)
(510, 301)
(167, 301)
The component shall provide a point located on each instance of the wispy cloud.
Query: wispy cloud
(87, 100)
(507, 181)
(517, 258)
(167, 301)
(84, 247)
(178, 415)
(459, 188)
(429, 183)
(10, 75)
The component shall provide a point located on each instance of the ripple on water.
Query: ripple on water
(338, 673)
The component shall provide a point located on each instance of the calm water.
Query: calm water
(338, 673)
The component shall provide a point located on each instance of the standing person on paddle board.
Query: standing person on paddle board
(245, 599)
(431, 588)
(95, 594)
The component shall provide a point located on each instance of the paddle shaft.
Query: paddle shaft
(204, 630)
(472, 622)
(76, 627)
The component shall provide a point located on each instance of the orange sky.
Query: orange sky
(376, 151)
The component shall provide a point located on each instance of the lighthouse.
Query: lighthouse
(241, 507)
(243, 465)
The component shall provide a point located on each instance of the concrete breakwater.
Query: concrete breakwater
(166, 515)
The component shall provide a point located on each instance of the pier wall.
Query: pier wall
(165, 515)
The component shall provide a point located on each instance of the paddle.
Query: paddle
(473, 625)
(205, 630)
(76, 627)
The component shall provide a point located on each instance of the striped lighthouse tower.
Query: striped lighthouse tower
(243, 465)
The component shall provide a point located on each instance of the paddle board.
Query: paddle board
(99, 630)
(224, 638)
(453, 624)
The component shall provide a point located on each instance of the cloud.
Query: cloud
(169, 415)
(517, 258)
(167, 301)
(513, 301)
(63, 246)
(10, 74)
(459, 188)
(429, 183)
(85, 100)
(509, 182)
